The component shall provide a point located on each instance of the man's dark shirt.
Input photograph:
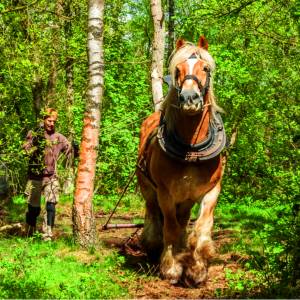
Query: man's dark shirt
(44, 150)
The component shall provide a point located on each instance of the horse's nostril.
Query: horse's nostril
(188, 97)
(195, 96)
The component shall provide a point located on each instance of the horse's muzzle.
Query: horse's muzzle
(190, 101)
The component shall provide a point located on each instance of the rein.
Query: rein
(201, 123)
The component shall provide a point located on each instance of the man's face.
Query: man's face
(49, 124)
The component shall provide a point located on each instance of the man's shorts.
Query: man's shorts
(35, 188)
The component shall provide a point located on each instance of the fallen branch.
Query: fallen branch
(12, 227)
(139, 225)
(9, 10)
(118, 226)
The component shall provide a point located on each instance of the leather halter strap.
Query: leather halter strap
(203, 89)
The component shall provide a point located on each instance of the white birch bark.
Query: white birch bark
(83, 217)
(158, 46)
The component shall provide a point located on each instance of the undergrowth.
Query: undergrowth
(270, 268)
(30, 268)
(257, 232)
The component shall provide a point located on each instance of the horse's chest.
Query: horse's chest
(192, 184)
(186, 181)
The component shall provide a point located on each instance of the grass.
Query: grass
(259, 232)
(30, 268)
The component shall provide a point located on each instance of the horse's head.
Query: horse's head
(191, 68)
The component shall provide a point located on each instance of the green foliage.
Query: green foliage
(277, 259)
(260, 233)
(256, 48)
(130, 202)
(239, 283)
(127, 99)
(32, 39)
(31, 269)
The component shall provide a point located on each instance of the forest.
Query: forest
(44, 63)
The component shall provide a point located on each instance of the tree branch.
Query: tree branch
(218, 14)
(236, 10)
(17, 8)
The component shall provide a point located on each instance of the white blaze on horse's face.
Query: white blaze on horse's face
(191, 79)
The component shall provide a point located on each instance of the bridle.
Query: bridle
(203, 89)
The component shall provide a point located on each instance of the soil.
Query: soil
(150, 285)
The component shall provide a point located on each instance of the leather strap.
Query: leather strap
(212, 146)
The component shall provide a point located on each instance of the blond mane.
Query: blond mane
(177, 57)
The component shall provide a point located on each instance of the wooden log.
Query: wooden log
(131, 225)
(10, 227)
(120, 226)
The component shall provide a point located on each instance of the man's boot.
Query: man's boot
(29, 230)
(47, 236)
(50, 209)
(31, 217)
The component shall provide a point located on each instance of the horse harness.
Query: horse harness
(212, 146)
(172, 144)
(142, 160)
(174, 147)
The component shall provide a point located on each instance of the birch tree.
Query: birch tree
(68, 185)
(84, 228)
(158, 46)
(171, 33)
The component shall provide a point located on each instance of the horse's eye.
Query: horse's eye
(206, 69)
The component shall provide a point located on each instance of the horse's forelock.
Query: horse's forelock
(177, 57)
(183, 53)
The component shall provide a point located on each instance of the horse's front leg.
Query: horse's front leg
(170, 267)
(200, 243)
(152, 235)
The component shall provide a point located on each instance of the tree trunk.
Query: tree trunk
(68, 186)
(37, 90)
(171, 33)
(157, 53)
(69, 66)
(83, 217)
(56, 42)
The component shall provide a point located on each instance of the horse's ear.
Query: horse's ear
(202, 43)
(179, 43)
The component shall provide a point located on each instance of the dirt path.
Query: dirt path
(150, 285)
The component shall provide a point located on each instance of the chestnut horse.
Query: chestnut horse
(180, 164)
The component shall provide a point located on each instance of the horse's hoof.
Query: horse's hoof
(195, 275)
(172, 274)
(173, 281)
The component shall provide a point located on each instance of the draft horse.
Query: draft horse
(180, 164)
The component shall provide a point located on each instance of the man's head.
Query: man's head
(50, 117)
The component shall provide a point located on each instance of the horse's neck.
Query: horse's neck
(193, 129)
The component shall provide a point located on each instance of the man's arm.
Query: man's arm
(67, 150)
(34, 140)
(28, 144)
